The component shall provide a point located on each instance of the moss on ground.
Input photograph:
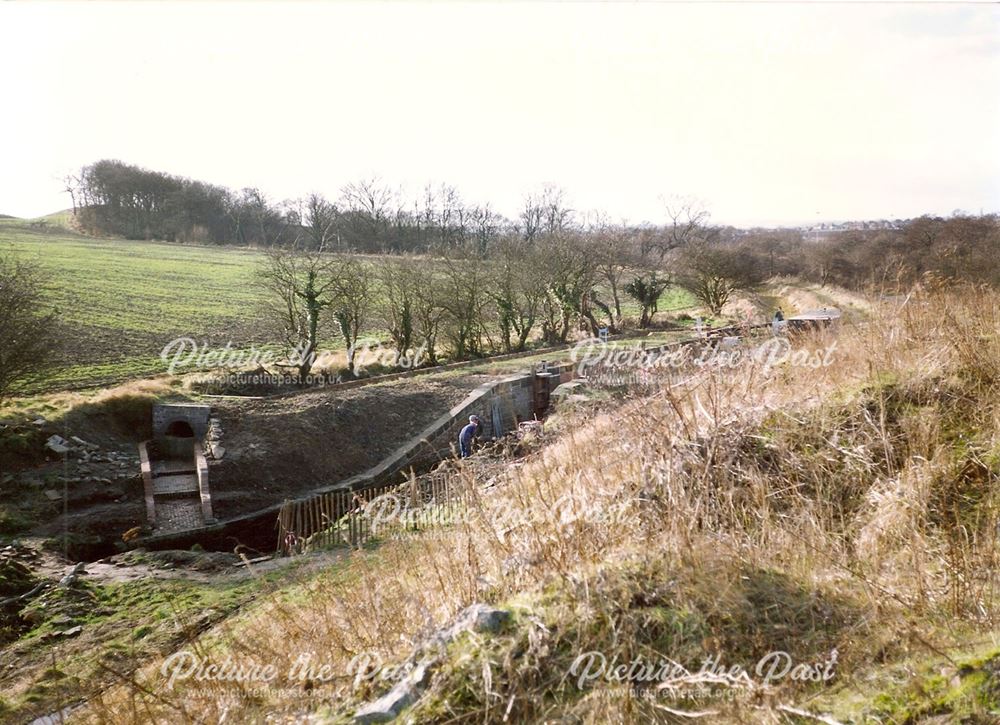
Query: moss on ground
(961, 689)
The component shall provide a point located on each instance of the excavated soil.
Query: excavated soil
(275, 449)
(280, 448)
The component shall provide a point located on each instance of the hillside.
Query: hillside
(837, 518)
(500, 363)
(62, 219)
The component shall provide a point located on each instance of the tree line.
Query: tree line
(368, 216)
(571, 277)
(111, 198)
(962, 247)
(461, 302)
(444, 304)
(114, 199)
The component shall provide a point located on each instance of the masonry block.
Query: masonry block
(169, 418)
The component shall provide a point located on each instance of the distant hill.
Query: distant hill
(59, 219)
(62, 219)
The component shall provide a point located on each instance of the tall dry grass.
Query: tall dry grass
(738, 511)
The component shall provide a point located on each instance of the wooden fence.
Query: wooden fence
(353, 518)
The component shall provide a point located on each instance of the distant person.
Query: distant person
(468, 434)
(778, 322)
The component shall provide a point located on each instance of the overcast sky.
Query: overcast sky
(768, 113)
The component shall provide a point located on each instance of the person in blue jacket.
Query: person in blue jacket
(468, 433)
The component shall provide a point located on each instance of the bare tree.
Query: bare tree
(571, 275)
(453, 216)
(442, 217)
(302, 286)
(397, 302)
(687, 224)
(545, 212)
(713, 274)
(371, 196)
(518, 288)
(486, 226)
(26, 329)
(73, 186)
(428, 306)
(353, 301)
(321, 222)
(465, 297)
(371, 204)
(613, 249)
(256, 221)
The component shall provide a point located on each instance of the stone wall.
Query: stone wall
(193, 414)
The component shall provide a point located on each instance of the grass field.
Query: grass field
(137, 286)
(119, 302)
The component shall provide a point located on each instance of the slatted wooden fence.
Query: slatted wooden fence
(353, 518)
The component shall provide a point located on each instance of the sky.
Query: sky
(766, 114)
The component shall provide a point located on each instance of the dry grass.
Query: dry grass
(738, 512)
(127, 408)
(118, 399)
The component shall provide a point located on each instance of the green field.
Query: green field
(119, 302)
(140, 286)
